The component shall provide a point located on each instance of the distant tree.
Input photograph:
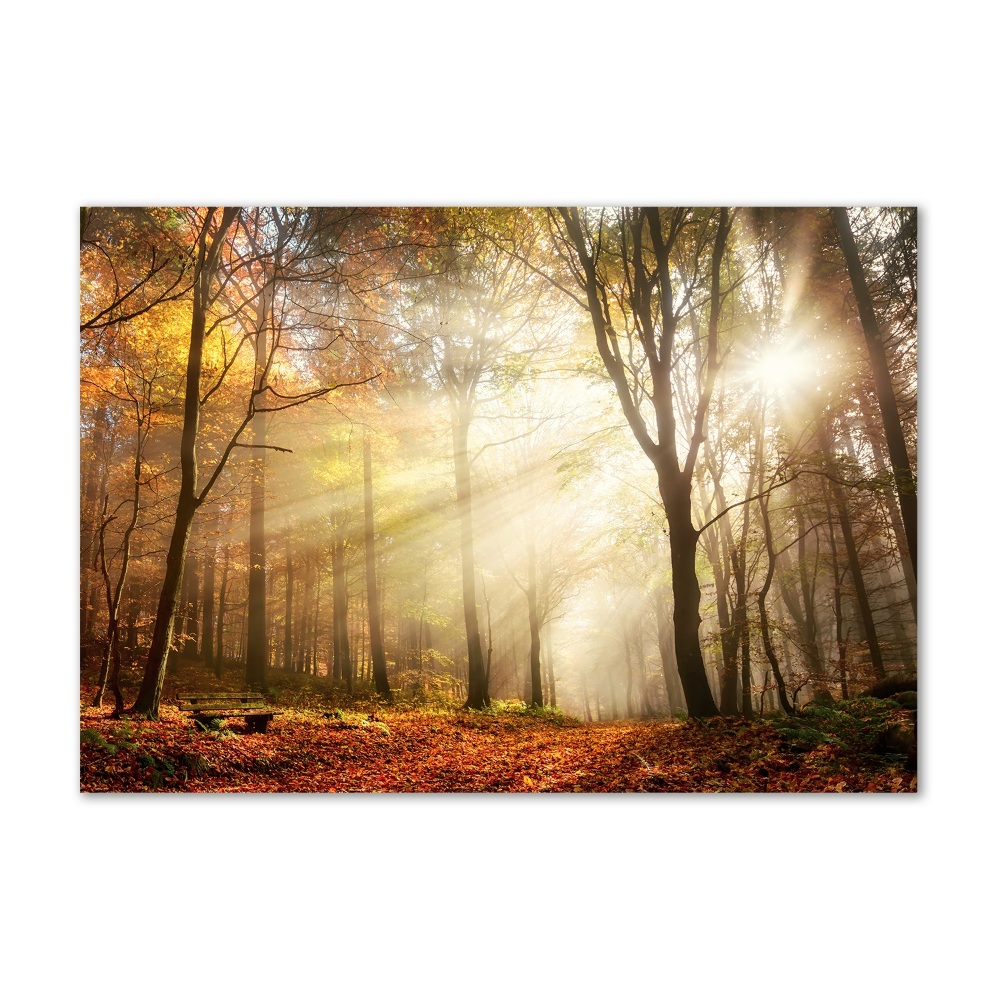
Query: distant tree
(472, 315)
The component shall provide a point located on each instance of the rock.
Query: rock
(900, 737)
(892, 685)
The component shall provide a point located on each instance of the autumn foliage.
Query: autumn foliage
(316, 747)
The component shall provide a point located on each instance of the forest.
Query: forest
(498, 499)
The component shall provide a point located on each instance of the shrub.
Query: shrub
(856, 727)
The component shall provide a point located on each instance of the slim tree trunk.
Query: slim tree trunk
(906, 486)
(535, 652)
(671, 683)
(854, 563)
(478, 695)
(718, 543)
(550, 667)
(374, 617)
(189, 603)
(147, 701)
(256, 662)
(208, 604)
(220, 621)
(627, 644)
(286, 651)
(765, 628)
(893, 507)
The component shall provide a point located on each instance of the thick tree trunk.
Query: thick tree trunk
(676, 495)
(374, 617)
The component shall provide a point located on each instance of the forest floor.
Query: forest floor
(316, 745)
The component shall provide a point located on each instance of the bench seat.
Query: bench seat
(248, 705)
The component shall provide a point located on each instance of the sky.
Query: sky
(880, 105)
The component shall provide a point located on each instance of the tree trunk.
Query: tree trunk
(189, 590)
(550, 667)
(208, 603)
(671, 682)
(478, 695)
(906, 487)
(220, 621)
(374, 617)
(854, 562)
(627, 644)
(147, 701)
(893, 507)
(718, 543)
(765, 628)
(535, 653)
(676, 496)
(286, 649)
(256, 662)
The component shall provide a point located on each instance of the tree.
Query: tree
(906, 486)
(374, 608)
(472, 317)
(210, 240)
(625, 267)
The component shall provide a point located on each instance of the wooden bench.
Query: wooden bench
(249, 705)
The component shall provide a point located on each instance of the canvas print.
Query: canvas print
(498, 499)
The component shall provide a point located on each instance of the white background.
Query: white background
(438, 103)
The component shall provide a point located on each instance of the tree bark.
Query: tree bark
(639, 228)
(535, 653)
(147, 701)
(374, 616)
(718, 544)
(765, 628)
(208, 604)
(906, 486)
(478, 695)
(286, 652)
(220, 621)
(854, 563)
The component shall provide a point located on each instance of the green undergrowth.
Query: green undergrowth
(857, 727)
